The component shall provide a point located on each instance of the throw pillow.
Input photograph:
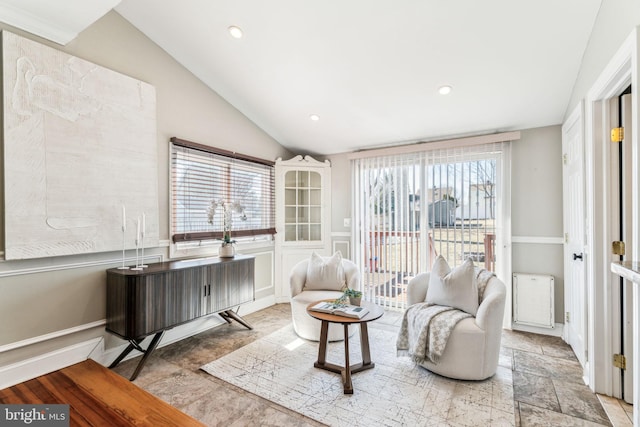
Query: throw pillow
(454, 288)
(325, 273)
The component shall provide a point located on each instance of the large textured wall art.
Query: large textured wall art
(79, 144)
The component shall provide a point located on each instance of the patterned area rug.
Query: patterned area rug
(279, 367)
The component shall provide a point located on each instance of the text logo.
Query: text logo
(34, 415)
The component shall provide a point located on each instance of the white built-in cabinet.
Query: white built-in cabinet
(303, 215)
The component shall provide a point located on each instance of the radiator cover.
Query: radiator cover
(533, 303)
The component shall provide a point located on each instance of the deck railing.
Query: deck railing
(392, 258)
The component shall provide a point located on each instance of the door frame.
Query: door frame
(623, 293)
(620, 72)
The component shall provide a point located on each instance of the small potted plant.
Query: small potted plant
(354, 296)
(227, 250)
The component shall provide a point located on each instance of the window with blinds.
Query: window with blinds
(204, 178)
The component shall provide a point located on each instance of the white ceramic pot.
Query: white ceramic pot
(227, 251)
(355, 300)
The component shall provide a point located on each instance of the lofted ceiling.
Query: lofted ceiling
(371, 69)
(58, 21)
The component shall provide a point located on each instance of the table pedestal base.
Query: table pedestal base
(347, 370)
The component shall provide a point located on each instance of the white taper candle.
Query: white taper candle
(124, 219)
(144, 223)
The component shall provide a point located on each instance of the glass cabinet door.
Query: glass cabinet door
(303, 206)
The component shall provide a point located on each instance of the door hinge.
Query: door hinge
(566, 237)
(619, 361)
(564, 159)
(617, 134)
(617, 248)
(566, 317)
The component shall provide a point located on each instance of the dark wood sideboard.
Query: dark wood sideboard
(148, 302)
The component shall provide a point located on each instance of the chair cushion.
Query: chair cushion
(454, 288)
(307, 297)
(308, 327)
(325, 273)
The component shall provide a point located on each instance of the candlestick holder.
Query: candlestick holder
(142, 264)
(123, 267)
(138, 266)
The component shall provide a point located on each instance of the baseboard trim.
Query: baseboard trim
(43, 364)
(51, 336)
(257, 305)
(27, 369)
(556, 331)
(170, 336)
(184, 331)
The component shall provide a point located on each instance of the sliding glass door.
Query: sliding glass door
(410, 208)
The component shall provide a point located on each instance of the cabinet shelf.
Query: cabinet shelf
(302, 205)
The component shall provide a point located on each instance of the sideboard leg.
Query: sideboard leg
(122, 355)
(147, 353)
(234, 316)
(225, 317)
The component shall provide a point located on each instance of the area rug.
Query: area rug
(279, 367)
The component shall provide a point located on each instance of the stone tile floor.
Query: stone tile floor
(548, 389)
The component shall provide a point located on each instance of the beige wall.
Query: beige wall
(48, 295)
(340, 192)
(536, 206)
(536, 183)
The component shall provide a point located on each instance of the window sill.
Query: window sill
(211, 248)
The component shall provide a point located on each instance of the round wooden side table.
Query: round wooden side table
(375, 312)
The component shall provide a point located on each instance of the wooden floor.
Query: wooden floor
(97, 397)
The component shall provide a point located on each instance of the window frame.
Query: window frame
(198, 242)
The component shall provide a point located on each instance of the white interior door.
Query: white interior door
(575, 330)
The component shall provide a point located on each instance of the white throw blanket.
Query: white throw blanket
(425, 330)
(426, 327)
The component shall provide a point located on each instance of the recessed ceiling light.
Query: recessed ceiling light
(236, 32)
(314, 117)
(445, 90)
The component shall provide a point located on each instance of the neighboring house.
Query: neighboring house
(480, 203)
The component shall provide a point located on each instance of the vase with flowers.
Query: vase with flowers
(226, 250)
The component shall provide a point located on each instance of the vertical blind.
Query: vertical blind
(411, 207)
(204, 177)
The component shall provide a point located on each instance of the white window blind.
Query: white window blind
(411, 207)
(201, 175)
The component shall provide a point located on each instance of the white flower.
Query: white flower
(228, 208)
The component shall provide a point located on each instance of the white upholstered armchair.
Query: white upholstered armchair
(315, 279)
(473, 348)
